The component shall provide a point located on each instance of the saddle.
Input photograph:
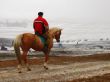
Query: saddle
(43, 39)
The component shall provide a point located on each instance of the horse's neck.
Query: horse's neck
(50, 38)
(52, 33)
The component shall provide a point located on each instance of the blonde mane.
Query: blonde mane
(53, 30)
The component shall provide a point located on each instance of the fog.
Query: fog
(78, 11)
(84, 19)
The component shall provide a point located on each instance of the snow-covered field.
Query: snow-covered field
(75, 38)
(70, 48)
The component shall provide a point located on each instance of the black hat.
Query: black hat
(40, 13)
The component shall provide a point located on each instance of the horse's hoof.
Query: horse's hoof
(29, 69)
(19, 72)
(46, 67)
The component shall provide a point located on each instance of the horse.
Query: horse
(26, 41)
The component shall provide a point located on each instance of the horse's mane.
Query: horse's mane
(54, 30)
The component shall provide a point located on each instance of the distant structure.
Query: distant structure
(86, 40)
(3, 48)
(60, 45)
(107, 39)
(101, 39)
(78, 42)
(14, 23)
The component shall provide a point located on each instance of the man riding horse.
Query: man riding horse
(41, 27)
(42, 40)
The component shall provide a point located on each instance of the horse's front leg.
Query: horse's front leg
(46, 60)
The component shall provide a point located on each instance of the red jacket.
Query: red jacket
(38, 27)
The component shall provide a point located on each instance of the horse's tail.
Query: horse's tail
(17, 43)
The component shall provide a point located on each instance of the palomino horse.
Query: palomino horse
(27, 40)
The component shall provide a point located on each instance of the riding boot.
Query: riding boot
(46, 45)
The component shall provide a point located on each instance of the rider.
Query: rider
(41, 26)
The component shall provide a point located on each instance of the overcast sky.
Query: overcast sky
(77, 10)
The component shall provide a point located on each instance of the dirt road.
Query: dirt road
(68, 69)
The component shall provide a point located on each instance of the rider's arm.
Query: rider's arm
(46, 25)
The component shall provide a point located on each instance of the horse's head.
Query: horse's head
(55, 33)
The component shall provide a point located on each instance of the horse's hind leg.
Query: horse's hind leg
(19, 68)
(19, 63)
(24, 57)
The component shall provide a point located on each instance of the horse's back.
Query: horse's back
(28, 37)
